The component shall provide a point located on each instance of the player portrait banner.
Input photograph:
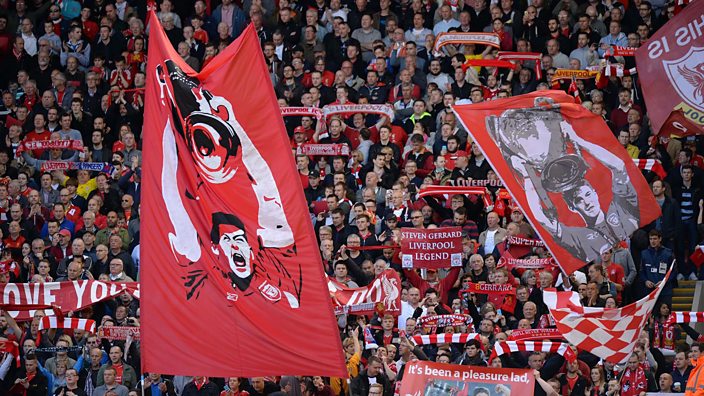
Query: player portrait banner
(382, 295)
(64, 296)
(323, 149)
(431, 378)
(226, 234)
(671, 67)
(566, 171)
(431, 248)
(610, 333)
(455, 38)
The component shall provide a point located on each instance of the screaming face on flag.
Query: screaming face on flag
(228, 246)
(579, 189)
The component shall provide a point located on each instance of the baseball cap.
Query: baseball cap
(299, 129)
(461, 153)
(65, 232)
(313, 174)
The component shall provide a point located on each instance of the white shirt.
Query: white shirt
(489, 242)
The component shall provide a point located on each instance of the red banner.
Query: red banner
(534, 334)
(68, 296)
(431, 248)
(323, 149)
(226, 231)
(671, 68)
(574, 182)
(383, 295)
(430, 378)
(119, 332)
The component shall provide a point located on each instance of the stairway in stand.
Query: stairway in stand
(683, 298)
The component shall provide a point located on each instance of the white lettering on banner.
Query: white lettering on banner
(80, 289)
(49, 297)
(94, 291)
(10, 290)
(67, 296)
(431, 256)
(683, 36)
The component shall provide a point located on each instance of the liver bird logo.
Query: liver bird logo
(686, 75)
(695, 77)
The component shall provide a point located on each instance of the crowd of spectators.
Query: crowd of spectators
(73, 70)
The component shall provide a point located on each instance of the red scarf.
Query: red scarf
(634, 382)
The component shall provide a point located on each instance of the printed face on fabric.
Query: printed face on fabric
(548, 156)
(217, 145)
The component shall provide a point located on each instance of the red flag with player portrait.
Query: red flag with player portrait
(575, 183)
(231, 269)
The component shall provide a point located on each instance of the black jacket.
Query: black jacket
(360, 384)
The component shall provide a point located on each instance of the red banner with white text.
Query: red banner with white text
(66, 296)
(226, 235)
(671, 68)
(382, 295)
(430, 378)
(562, 165)
(431, 248)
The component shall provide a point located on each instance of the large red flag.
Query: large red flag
(232, 275)
(576, 184)
(671, 67)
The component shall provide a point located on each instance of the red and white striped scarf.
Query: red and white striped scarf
(561, 348)
(653, 165)
(444, 338)
(52, 322)
(686, 317)
(524, 56)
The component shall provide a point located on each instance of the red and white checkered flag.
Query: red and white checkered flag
(610, 333)
(52, 322)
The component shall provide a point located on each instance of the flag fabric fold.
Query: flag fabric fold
(226, 238)
(567, 173)
(609, 333)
